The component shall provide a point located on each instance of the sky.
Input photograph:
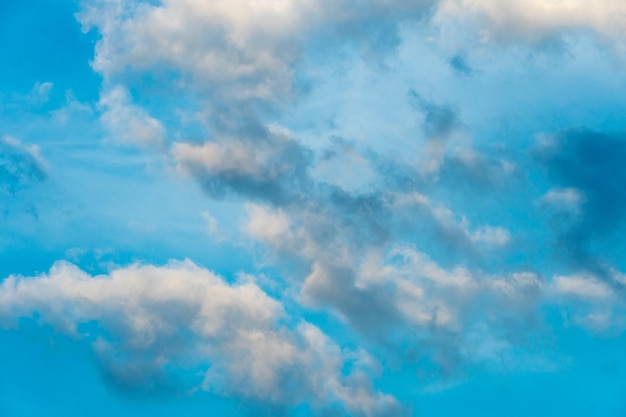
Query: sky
(302, 208)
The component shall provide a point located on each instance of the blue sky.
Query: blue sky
(312, 208)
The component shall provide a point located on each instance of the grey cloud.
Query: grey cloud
(396, 297)
(270, 166)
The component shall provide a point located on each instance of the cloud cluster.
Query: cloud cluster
(153, 319)
(395, 295)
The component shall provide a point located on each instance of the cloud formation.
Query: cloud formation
(152, 319)
(242, 49)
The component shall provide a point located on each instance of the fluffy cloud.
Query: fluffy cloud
(150, 320)
(245, 48)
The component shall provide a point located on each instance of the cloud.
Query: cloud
(269, 166)
(583, 287)
(146, 322)
(564, 199)
(20, 165)
(536, 19)
(127, 122)
(590, 302)
(245, 49)
(393, 294)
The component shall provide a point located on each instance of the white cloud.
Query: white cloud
(182, 314)
(492, 236)
(565, 199)
(127, 122)
(590, 302)
(585, 287)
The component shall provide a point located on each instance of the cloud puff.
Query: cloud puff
(564, 199)
(20, 165)
(153, 320)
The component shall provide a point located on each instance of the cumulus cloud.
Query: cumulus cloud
(154, 320)
(247, 49)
